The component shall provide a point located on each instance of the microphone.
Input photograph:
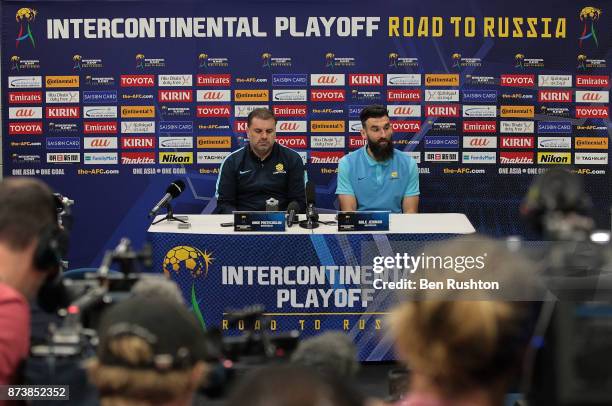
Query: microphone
(173, 191)
(292, 211)
(312, 217)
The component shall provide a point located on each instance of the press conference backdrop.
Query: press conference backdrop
(108, 102)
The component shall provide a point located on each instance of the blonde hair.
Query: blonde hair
(120, 385)
(465, 340)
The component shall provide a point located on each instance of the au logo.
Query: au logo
(184, 258)
(24, 17)
(589, 14)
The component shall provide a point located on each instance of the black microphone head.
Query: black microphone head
(310, 192)
(295, 206)
(176, 188)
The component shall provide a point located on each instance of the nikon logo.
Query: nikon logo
(554, 158)
(176, 158)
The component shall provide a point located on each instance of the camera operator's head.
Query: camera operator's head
(29, 234)
(150, 353)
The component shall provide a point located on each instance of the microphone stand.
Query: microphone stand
(170, 215)
(311, 221)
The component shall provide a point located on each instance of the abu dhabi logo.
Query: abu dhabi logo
(24, 17)
(589, 15)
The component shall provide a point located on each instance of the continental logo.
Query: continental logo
(176, 158)
(252, 95)
(591, 142)
(137, 111)
(555, 158)
(441, 79)
(61, 81)
(516, 111)
(214, 142)
(327, 126)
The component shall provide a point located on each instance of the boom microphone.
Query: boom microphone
(292, 211)
(173, 191)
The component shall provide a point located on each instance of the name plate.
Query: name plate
(363, 221)
(259, 221)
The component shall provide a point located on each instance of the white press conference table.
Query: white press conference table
(421, 223)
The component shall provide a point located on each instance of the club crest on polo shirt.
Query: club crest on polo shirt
(394, 175)
(280, 168)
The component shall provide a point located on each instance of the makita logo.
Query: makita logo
(326, 80)
(100, 143)
(592, 97)
(292, 142)
(32, 128)
(592, 112)
(327, 95)
(403, 95)
(138, 142)
(559, 158)
(479, 126)
(101, 127)
(521, 158)
(559, 96)
(62, 112)
(356, 141)
(517, 142)
(167, 96)
(325, 157)
(442, 111)
(290, 110)
(213, 95)
(291, 126)
(404, 111)
(137, 158)
(357, 79)
(25, 112)
(213, 111)
(479, 142)
(25, 97)
(214, 80)
(137, 81)
(406, 126)
(592, 81)
(518, 80)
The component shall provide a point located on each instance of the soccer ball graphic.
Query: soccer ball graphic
(183, 258)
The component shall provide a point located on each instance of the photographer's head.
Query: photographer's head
(150, 353)
(29, 234)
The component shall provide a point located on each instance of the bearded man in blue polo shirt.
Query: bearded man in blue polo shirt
(377, 177)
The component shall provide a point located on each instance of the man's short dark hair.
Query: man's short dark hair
(27, 207)
(262, 114)
(373, 111)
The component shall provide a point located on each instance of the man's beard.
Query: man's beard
(381, 152)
